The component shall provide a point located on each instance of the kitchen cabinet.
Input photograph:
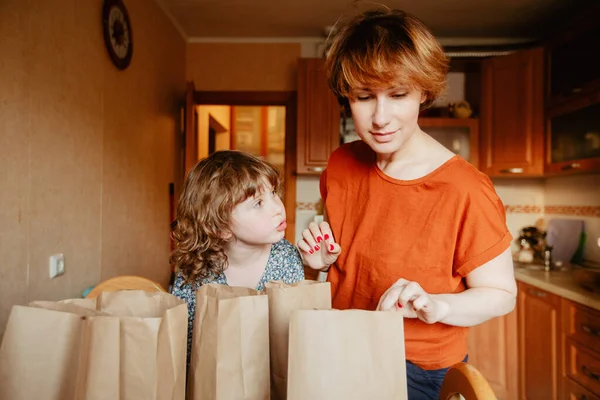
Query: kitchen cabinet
(581, 335)
(493, 351)
(512, 114)
(540, 344)
(318, 124)
(574, 136)
(573, 96)
(572, 58)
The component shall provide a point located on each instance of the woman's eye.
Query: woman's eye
(362, 98)
(399, 95)
(258, 204)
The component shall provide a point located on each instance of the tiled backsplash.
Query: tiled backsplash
(525, 202)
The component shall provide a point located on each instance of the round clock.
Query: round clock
(117, 32)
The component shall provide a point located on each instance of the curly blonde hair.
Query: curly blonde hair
(386, 47)
(212, 189)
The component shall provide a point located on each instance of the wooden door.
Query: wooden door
(512, 114)
(191, 131)
(493, 351)
(318, 118)
(540, 348)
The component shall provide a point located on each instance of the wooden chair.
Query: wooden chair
(465, 380)
(125, 282)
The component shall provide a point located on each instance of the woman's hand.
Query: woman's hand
(317, 246)
(412, 301)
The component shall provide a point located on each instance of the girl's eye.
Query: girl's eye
(258, 204)
(274, 193)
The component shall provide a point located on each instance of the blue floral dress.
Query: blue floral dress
(284, 264)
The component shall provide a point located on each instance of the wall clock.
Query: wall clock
(117, 32)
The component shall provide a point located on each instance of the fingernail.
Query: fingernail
(330, 247)
(320, 239)
(311, 251)
(326, 236)
(317, 248)
(399, 305)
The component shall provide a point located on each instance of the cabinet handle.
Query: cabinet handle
(571, 166)
(537, 293)
(590, 330)
(511, 171)
(586, 371)
(315, 169)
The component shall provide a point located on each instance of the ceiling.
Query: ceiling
(507, 20)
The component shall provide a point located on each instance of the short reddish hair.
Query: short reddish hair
(386, 47)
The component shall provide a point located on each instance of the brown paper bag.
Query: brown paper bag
(283, 299)
(230, 345)
(346, 355)
(127, 345)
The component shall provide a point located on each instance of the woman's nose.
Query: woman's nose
(381, 114)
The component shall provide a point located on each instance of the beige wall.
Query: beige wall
(87, 151)
(243, 66)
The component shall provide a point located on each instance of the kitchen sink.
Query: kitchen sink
(538, 267)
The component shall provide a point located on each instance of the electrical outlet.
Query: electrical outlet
(57, 265)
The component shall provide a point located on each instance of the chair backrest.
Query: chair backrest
(465, 380)
(125, 282)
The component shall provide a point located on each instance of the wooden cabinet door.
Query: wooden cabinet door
(512, 114)
(318, 132)
(493, 351)
(540, 349)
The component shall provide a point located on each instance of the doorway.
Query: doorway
(272, 134)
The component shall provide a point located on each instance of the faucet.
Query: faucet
(548, 258)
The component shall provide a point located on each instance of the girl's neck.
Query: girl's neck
(246, 263)
(242, 254)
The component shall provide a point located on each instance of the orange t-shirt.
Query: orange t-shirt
(433, 230)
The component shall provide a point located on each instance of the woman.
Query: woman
(422, 231)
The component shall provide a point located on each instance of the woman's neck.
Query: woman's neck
(419, 156)
(409, 151)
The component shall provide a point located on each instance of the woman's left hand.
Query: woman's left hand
(412, 301)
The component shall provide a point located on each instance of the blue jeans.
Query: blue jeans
(425, 384)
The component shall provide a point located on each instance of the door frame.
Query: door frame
(267, 98)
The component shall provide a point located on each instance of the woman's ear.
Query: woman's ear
(423, 97)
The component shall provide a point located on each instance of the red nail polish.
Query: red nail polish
(319, 239)
(311, 251)
(326, 236)
(330, 247)
(399, 305)
(317, 248)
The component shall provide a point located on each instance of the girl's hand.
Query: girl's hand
(317, 246)
(412, 301)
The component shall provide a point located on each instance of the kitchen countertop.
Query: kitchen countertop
(560, 283)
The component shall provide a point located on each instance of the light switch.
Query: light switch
(57, 265)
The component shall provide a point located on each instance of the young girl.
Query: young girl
(230, 228)
(423, 230)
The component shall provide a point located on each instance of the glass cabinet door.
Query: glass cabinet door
(575, 135)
